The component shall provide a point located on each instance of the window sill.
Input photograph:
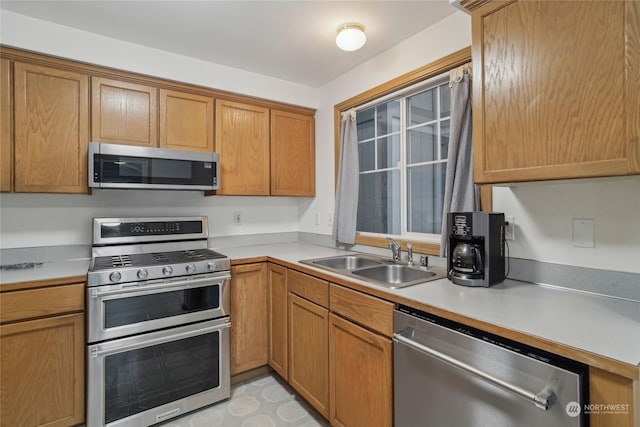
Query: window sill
(425, 248)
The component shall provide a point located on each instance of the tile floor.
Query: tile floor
(266, 401)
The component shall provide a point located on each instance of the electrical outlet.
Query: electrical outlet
(317, 218)
(237, 218)
(582, 233)
(510, 229)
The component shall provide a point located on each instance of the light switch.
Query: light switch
(583, 235)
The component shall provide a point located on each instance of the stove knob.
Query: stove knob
(142, 274)
(212, 266)
(191, 268)
(115, 276)
(167, 271)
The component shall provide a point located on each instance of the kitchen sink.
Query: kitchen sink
(348, 262)
(377, 270)
(395, 274)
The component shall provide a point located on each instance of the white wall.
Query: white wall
(33, 34)
(447, 36)
(45, 220)
(61, 219)
(543, 214)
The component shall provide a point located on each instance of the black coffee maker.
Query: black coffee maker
(476, 248)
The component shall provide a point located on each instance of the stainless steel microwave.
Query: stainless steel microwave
(128, 166)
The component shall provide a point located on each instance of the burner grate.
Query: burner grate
(120, 261)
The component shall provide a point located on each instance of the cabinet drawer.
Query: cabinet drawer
(372, 312)
(27, 304)
(309, 287)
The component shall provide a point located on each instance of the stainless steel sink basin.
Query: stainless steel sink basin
(377, 270)
(348, 262)
(395, 274)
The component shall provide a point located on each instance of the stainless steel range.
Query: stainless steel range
(158, 321)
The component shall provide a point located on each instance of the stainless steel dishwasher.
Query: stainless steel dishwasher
(447, 374)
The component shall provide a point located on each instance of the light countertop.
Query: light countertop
(606, 327)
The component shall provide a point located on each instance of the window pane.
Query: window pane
(365, 122)
(444, 139)
(389, 117)
(421, 107)
(445, 101)
(379, 202)
(422, 144)
(425, 188)
(388, 152)
(366, 156)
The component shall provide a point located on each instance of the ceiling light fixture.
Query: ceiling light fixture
(351, 36)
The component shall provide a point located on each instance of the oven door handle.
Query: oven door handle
(183, 284)
(542, 400)
(158, 338)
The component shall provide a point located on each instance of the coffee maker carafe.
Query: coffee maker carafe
(476, 248)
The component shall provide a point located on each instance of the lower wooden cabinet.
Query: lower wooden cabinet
(277, 301)
(249, 312)
(42, 372)
(308, 352)
(606, 388)
(360, 376)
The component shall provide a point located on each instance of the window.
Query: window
(403, 144)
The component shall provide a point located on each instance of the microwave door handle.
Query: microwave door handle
(183, 284)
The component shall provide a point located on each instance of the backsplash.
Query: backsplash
(31, 220)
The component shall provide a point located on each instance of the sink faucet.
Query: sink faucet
(395, 249)
(409, 254)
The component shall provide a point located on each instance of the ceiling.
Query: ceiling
(291, 40)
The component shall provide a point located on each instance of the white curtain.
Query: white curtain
(459, 191)
(346, 208)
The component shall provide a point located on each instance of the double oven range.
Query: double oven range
(157, 321)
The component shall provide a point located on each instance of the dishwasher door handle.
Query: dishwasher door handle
(542, 400)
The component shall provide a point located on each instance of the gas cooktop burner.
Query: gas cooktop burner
(153, 259)
(127, 250)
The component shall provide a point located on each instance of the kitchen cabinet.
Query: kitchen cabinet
(186, 121)
(42, 346)
(277, 299)
(51, 114)
(606, 388)
(292, 154)
(308, 352)
(6, 127)
(123, 112)
(249, 311)
(556, 89)
(242, 140)
(360, 359)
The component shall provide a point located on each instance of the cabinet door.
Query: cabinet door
(556, 92)
(248, 317)
(6, 127)
(360, 366)
(606, 388)
(242, 140)
(124, 113)
(277, 278)
(51, 129)
(186, 121)
(292, 154)
(43, 372)
(309, 352)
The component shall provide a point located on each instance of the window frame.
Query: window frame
(378, 93)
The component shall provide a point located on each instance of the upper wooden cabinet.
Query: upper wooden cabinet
(51, 129)
(292, 154)
(242, 140)
(556, 89)
(249, 313)
(124, 113)
(186, 121)
(6, 127)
